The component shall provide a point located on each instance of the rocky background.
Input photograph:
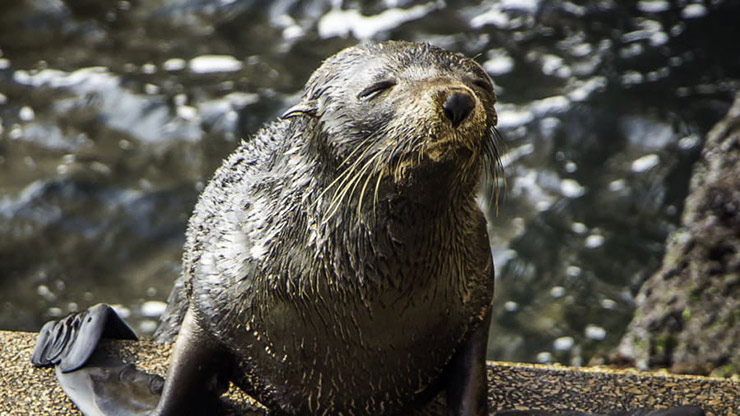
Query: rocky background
(113, 115)
(688, 313)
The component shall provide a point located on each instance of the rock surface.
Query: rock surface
(688, 313)
(27, 390)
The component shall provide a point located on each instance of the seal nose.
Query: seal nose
(457, 107)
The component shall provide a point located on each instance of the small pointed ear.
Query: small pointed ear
(305, 107)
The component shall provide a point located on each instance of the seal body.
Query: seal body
(339, 258)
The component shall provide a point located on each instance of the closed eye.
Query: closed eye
(483, 84)
(374, 90)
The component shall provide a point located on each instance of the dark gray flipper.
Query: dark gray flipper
(103, 385)
(467, 382)
(107, 386)
(69, 343)
(97, 383)
(197, 374)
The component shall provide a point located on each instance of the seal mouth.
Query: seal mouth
(451, 148)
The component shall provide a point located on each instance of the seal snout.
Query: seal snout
(458, 106)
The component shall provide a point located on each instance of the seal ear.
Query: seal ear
(306, 107)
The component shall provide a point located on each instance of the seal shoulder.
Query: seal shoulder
(228, 206)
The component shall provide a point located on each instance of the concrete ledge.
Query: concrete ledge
(27, 390)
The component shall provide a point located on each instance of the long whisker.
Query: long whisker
(399, 152)
(370, 170)
(346, 171)
(350, 183)
(374, 166)
(493, 170)
(375, 191)
(341, 180)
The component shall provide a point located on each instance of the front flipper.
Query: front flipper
(103, 385)
(467, 382)
(97, 383)
(107, 386)
(197, 375)
(70, 342)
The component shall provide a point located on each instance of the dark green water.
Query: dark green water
(113, 115)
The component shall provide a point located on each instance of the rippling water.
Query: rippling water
(113, 115)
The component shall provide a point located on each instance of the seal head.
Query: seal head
(400, 109)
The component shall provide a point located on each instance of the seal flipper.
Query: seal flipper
(467, 391)
(97, 383)
(108, 386)
(197, 375)
(68, 343)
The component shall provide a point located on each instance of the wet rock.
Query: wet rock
(688, 313)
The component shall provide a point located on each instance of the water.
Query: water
(113, 115)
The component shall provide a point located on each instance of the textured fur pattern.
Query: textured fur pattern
(340, 254)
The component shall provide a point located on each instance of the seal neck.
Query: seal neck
(398, 241)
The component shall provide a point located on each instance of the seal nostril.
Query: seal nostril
(457, 107)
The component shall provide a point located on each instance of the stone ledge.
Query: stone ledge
(27, 390)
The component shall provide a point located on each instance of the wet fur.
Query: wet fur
(340, 256)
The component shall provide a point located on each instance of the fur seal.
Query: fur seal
(339, 258)
(338, 261)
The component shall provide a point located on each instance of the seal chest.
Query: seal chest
(339, 256)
